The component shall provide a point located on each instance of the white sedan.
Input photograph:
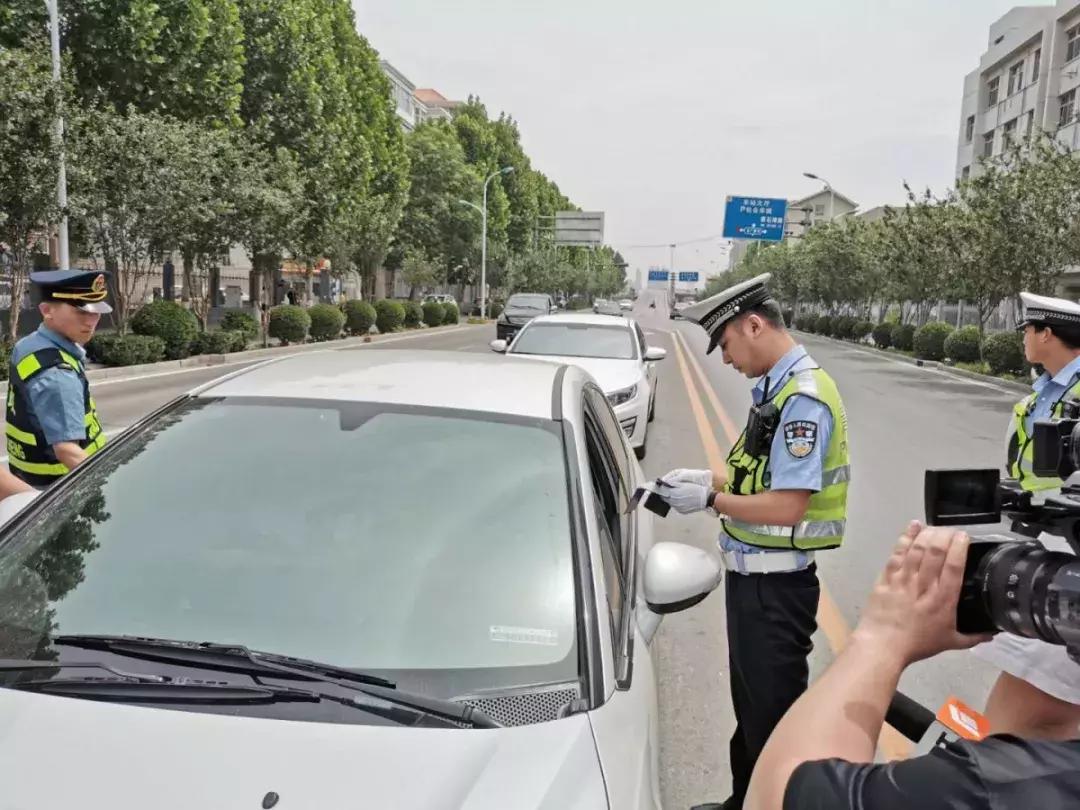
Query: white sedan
(343, 579)
(614, 352)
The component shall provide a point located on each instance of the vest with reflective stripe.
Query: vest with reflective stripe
(30, 456)
(1021, 451)
(824, 522)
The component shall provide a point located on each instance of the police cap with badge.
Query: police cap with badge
(85, 290)
(1042, 310)
(713, 313)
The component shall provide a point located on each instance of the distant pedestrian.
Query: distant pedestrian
(291, 295)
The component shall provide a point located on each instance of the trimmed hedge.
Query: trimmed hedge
(861, 329)
(236, 320)
(359, 316)
(964, 345)
(217, 342)
(495, 308)
(1004, 352)
(843, 326)
(289, 323)
(389, 315)
(327, 321)
(450, 313)
(432, 313)
(789, 317)
(5, 358)
(414, 314)
(176, 326)
(882, 335)
(824, 325)
(126, 350)
(930, 340)
(903, 337)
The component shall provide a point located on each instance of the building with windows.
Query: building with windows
(1026, 81)
(433, 105)
(402, 92)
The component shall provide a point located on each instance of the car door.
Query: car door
(643, 346)
(626, 726)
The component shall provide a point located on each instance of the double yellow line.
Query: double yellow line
(892, 744)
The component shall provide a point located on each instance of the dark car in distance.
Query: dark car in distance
(519, 310)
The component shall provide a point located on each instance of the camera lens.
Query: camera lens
(1031, 592)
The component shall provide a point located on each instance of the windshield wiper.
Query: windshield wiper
(238, 658)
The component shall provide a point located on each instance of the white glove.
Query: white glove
(702, 478)
(686, 497)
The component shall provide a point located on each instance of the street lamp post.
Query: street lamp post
(832, 194)
(483, 245)
(61, 179)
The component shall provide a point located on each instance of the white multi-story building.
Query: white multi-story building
(1027, 80)
(402, 92)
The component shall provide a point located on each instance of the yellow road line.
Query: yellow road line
(831, 621)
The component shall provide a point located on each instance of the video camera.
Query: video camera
(1013, 584)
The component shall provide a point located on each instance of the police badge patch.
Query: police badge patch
(800, 438)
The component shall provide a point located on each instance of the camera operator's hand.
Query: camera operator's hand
(911, 613)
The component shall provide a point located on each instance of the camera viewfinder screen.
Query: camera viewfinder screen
(959, 497)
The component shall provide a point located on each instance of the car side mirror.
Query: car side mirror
(655, 353)
(678, 576)
(499, 346)
(13, 504)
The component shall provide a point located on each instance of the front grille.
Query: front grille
(524, 707)
(628, 425)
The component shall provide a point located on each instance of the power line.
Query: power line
(677, 244)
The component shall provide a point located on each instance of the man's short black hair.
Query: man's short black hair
(768, 310)
(1069, 335)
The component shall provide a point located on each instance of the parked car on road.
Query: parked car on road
(608, 308)
(626, 304)
(519, 310)
(613, 352)
(424, 578)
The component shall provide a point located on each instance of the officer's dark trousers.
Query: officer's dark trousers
(770, 621)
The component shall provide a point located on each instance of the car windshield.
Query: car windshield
(404, 540)
(528, 302)
(576, 340)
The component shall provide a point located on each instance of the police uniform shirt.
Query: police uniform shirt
(56, 394)
(1049, 390)
(803, 420)
(1001, 772)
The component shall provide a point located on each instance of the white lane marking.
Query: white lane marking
(98, 383)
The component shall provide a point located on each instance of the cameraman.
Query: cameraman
(821, 754)
(1037, 693)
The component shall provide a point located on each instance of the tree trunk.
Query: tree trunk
(189, 275)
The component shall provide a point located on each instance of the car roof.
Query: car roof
(584, 318)
(456, 380)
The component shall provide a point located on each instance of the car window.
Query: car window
(606, 500)
(614, 446)
(359, 535)
(537, 302)
(576, 340)
(641, 339)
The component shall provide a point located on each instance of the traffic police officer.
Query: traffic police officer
(782, 498)
(52, 423)
(1037, 693)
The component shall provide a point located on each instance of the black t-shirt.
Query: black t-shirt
(1000, 772)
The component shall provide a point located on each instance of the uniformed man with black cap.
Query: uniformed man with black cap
(782, 498)
(1037, 693)
(52, 423)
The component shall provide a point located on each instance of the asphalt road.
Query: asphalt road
(902, 420)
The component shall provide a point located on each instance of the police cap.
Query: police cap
(1046, 311)
(85, 290)
(713, 313)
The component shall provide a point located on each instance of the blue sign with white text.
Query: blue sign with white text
(754, 218)
(689, 277)
(658, 275)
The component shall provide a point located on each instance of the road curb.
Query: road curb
(121, 373)
(930, 364)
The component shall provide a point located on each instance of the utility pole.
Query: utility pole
(61, 178)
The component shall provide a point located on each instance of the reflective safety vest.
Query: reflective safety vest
(823, 524)
(1021, 452)
(30, 456)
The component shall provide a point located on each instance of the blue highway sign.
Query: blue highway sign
(754, 218)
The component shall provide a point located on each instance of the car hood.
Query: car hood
(57, 753)
(522, 315)
(610, 375)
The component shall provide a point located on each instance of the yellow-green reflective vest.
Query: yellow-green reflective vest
(823, 524)
(1021, 452)
(30, 456)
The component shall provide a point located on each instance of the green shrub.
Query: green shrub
(882, 335)
(433, 313)
(359, 317)
(789, 317)
(327, 322)
(389, 315)
(962, 346)
(289, 323)
(1004, 352)
(930, 340)
(217, 342)
(450, 313)
(845, 326)
(238, 340)
(414, 314)
(5, 358)
(861, 329)
(824, 325)
(176, 326)
(495, 309)
(236, 320)
(126, 350)
(903, 337)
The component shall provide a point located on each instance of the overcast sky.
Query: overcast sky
(654, 110)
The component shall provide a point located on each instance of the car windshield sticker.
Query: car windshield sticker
(524, 635)
(800, 437)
